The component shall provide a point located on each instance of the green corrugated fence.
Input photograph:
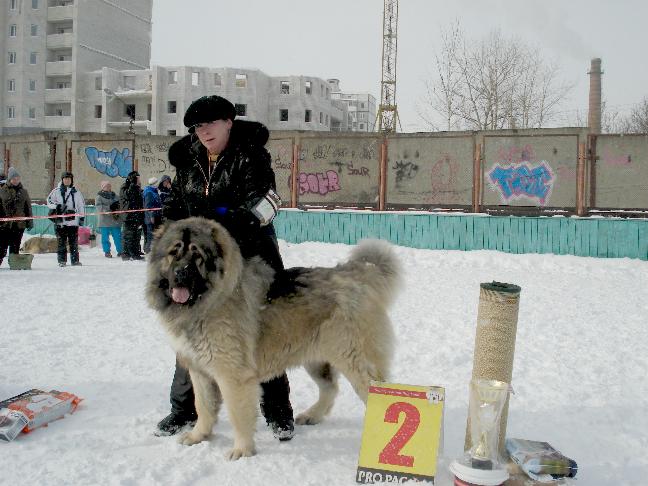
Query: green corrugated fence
(595, 237)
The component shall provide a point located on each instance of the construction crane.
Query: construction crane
(387, 111)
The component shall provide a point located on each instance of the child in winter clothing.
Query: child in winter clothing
(108, 224)
(152, 219)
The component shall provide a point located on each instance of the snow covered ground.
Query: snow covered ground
(579, 375)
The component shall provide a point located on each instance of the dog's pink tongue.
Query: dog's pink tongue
(180, 294)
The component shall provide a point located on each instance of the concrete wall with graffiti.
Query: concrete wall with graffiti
(339, 170)
(530, 170)
(281, 151)
(621, 172)
(152, 158)
(31, 155)
(429, 171)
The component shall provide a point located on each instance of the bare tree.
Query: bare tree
(491, 83)
(638, 121)
(613, 121)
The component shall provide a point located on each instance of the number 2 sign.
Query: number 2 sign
(402, 433)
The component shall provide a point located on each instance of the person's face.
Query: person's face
(214, 135)
(67, 181)
(167, 184)
(108, 188)
(138, 181)
(14, 181)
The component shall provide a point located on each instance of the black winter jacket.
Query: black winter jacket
(15, 202)
(130, 197)
(240, 179)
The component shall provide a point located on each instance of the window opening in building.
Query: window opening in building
(309, 87)
(284, 87)
(172, 107)
(11, 85)
(11, 112)
(13, 30)
(32, 112)
(32, 58)
(307, 116)
(34, 4)
(218, 80)
(129, 82)
(321, 117)
(195, 79)
(98, 83)
(12, 58)
(32, 85)
(173, 77)
(129, 111)
(12, 4)
(149, 112)
(171, 132)
(34, 30)
(241, 109)
(283, 115)
(241, 80)
(97, 111)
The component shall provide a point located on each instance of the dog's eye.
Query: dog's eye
(175, 249)
(193, 248)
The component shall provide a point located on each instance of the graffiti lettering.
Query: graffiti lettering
(521, 181)
(283, 159)
(362, 171)
(404, 170)
(444, 176)
(515, 155)
(319, 183)
(113, 163)
(145, 148)
(154, 164)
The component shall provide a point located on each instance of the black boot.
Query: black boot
(276, 408)
(174, 422)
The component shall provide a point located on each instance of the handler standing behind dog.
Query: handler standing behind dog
(224, 173)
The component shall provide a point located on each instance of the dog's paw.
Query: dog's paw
(306, 419)
(191, 438)
(238, 452)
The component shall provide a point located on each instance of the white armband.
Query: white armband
(266, 209)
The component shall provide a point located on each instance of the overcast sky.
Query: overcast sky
(343, 39)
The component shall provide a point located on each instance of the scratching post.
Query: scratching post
(497, 317)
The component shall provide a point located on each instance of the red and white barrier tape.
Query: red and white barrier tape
(52, 216)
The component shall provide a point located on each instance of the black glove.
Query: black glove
(242, 224)
(30, 224)
(59, 209)
(114, 206)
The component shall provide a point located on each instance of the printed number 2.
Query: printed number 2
(390, 454)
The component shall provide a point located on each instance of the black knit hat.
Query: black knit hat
(207, 109)
(67, 174)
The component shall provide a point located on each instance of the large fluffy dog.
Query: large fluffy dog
(214, 308)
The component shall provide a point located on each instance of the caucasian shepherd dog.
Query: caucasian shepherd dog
(213, 305)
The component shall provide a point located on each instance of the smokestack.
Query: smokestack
(594, 116)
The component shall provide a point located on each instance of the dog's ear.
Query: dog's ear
(157, 234)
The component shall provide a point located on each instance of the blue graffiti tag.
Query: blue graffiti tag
(521, 181)
(113, 163)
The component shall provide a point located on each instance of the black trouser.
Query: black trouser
(275, 402)
(131, 234)
(10, 238)
(67, 236)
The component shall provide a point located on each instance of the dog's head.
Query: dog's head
(191, 259)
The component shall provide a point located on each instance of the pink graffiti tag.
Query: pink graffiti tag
(516, 154)
(319, 183)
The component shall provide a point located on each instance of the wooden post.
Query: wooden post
(477, 179)
(294, 170)
(580, 179)
(382, 179)
(68, 159)
(592, 169)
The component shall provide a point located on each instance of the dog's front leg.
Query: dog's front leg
(208, 401)
(241, 398)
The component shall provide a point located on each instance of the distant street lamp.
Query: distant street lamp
(111, 94)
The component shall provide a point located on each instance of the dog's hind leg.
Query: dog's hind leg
(208, 402)
(361, 377)
(241, 396)
(326, 378)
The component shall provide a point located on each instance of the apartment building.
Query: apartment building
(49, 45)
(360, 107)
(154, 100)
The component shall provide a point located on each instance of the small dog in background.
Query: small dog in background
(40, 244)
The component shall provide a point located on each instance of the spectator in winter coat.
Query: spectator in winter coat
(224, 173)
(67, 199)
(152, 219)
(164, 188)
(130, 198)
(14, 202)
(108, 224)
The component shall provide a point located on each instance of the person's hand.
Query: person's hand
(59, 209)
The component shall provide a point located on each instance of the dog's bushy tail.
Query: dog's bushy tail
(383, 268)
